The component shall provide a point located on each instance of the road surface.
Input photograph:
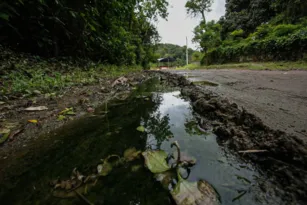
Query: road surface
(279, 98)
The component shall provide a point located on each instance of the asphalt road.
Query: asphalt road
(279, 98)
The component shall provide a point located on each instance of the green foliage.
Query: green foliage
(198, 7)
(292, 47)
(197, 56)
(255, 30)
(117, 32)
(24, 75)
(237, 33)
(174, 51)
(284, 30)
(207, 35)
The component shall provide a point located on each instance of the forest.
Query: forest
(120, 32)
(252, 30)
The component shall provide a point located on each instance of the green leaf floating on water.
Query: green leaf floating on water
(155, 161)
(141, 128)
(194, 193)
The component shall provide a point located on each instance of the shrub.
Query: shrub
(291, 47)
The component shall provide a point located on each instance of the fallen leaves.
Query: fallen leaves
(131, 154)
(67, 111)
(33, 121)
(119, 81)
(106, 167)
(39, 108)
(189, 193)
(155, 161)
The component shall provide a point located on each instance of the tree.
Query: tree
(115, 32)
(207, 35)
(198, 7)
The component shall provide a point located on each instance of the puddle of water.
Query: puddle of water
(206, 83)
(83, 143)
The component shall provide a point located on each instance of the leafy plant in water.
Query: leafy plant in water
(184, 192)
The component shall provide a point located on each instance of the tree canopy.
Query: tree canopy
(198, 7)
(254, 30)
(117, 31)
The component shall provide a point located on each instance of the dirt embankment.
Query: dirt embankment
(81, 100)
(284, 155)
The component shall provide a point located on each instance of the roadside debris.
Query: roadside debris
(39, 108)
(183, 192)
(120, 81)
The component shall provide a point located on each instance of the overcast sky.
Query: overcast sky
(180, 25)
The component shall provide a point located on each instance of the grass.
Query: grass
(300, 65)
(45, 78)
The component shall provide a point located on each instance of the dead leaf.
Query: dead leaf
(1, 102)
(33, 121)
(39, 108)
(131, 154)
(106, 167)
(165, 178)
(121, 80)
(194, 193)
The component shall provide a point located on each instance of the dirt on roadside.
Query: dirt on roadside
(283, 156)
(28, 126)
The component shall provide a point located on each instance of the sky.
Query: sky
(180, 25)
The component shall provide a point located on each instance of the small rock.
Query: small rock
(90, 110)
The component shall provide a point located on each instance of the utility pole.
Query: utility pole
(187, 55)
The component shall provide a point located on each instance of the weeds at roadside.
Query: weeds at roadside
(39, 79)
(284, 66)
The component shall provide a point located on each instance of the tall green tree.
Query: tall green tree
(117, 31)
(198, 8)
(207, 35)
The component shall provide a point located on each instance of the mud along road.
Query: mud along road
(279, 98)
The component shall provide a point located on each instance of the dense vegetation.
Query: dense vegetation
(254, 30)
(114, 32)
(173, 51)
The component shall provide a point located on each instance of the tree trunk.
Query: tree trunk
(203, 16)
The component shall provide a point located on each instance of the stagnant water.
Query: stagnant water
(166, 118)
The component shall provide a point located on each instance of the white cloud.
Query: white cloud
(180, 25)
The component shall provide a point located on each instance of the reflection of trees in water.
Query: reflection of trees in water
(158, 129)
(83, 143)
(191, 127)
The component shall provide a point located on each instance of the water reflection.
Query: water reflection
(166, 118)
